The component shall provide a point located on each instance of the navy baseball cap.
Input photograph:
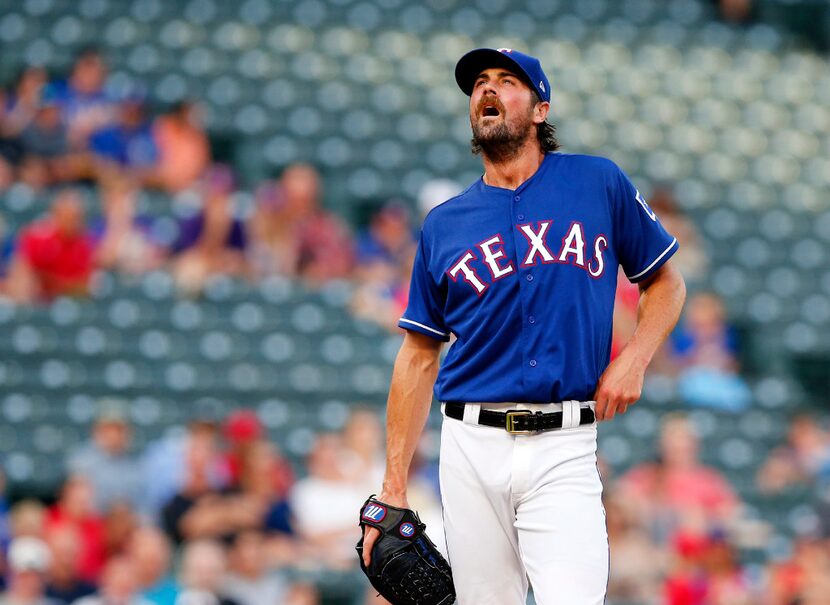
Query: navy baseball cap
(527, 67)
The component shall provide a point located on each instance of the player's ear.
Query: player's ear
(540, 112)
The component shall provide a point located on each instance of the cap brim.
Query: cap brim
(474, 62)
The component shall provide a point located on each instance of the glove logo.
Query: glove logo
(407, 530)
(374, 512)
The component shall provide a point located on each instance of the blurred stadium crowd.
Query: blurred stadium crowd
(217, 511)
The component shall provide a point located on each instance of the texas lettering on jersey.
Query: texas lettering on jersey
(573, 250)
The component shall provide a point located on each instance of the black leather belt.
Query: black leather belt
(518, 421)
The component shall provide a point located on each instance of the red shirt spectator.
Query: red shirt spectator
(54, 256)
(244, 433)
(678, 487)
(75, 510)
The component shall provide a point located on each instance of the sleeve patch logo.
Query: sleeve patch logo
(407, 530)
(374, 512)
(648, 210)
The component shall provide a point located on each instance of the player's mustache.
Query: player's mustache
(492, 101)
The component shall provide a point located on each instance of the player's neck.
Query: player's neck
(510, 173)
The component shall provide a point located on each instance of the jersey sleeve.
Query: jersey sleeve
(424, 311)
(642, 244)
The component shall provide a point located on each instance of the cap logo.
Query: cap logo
(542, 86)
(505, 50)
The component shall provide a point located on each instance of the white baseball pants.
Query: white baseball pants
(523, 507)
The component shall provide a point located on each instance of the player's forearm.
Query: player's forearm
(661, 302)
(410, 396)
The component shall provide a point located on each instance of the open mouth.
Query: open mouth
(490, 111)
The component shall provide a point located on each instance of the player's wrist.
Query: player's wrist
(393, 494)
(636, 358)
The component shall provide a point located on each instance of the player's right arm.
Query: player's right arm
(410, 396)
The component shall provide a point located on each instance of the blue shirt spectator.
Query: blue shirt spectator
(129, 142)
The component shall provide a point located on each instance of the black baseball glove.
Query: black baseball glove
(405, 568)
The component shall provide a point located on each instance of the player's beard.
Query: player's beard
(503, 140)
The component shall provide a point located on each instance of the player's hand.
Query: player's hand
(620, 385)
(370, 534)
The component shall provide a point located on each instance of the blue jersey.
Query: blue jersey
(525, 279)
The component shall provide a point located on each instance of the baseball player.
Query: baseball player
(522, 269)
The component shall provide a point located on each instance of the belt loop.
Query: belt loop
(471, 412)
(570, 414)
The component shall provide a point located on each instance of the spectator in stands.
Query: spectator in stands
(686, 582)
(199, 510)
(85, 104)
(118, 585)
(249, 581)
(44, 143)
(150, 553)
(804, 579)
(691, 258)
(293, 235)
(727, 580)
(388, 237)
(197, 487)
(677, 491)
(21, 105)
(212, 242)
(120, 521)
(385, 252)
(705, 347)
(27, 518)
(127, 145)
(125, 240)
(202, 574)
(18, 109)
(801, 460)
(363, 444)
(10, 151)
(105, 460)
(183, 147)
(63, 582)
(639, 564)
(166, 464)
(5, 523)
(54, 257)
(263, 485)
(324, 504)
(75, 509)
(28, 560)
(242, 429)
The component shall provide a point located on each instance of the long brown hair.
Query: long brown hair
(545, 132)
